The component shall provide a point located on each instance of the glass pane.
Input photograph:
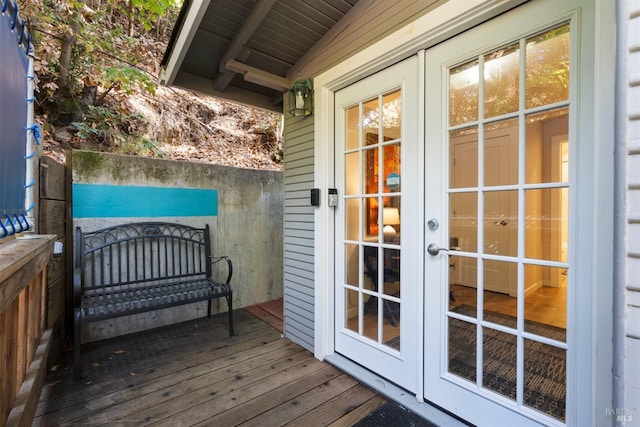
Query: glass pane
(371, 278)
(500, 277)
(547, 67)
(547, 147)
(392, 334)
(500, 291)
(499, 362)
(391, 220)
(371, 171)
(463, 158)
(351, 310)
(463, 299)
(352, 136)
(462, 349)
(501, 223)
(352, 264)
(351, 174)
(463, 221)
(501, 81)
(352, 223)
(545, 304)
(547, 224)
(463, 93)
(370, 122)
(391, 165)
(391, 262)
(391, 318)
(545, 382)
(371, 218)
(370, 324)
(391, 116)
(501, 153)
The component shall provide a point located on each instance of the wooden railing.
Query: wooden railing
(24, 343)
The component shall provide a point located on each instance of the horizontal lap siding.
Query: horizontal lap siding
(632, 335)
(298, 231)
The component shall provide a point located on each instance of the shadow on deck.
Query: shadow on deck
(194, 373)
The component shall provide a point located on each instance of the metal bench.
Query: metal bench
(140, 267)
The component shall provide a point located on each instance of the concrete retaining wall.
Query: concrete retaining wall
(246, 221)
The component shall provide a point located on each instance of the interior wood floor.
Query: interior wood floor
(546, 305)
(193, 373)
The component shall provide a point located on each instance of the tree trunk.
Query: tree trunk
(66, 50)
(131, 18)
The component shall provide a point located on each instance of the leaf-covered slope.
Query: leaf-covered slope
(96, 66)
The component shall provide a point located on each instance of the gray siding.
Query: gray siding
(298, 230)
(632, 292)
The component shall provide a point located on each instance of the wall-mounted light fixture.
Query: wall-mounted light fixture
(301, 98)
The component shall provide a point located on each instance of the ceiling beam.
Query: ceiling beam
(222, 80)
(237, 45)
(203, 86)
(258, 76)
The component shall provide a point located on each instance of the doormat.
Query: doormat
(544, 366)
(393, 414)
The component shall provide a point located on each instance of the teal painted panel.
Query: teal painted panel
(119, 201)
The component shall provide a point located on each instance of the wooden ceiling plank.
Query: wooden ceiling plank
(353, 14)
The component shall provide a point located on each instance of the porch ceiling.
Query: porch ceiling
(251, 51)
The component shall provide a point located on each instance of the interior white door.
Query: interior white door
(497, 312)
(377, 303)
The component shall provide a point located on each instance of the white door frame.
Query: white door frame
(598, 70)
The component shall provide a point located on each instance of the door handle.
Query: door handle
(434, 249)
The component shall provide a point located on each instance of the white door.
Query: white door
(499, 276)
(377, 225)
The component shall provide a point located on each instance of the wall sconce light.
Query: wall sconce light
(390, 217)
(301, 98)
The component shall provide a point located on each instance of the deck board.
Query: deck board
(193, 373)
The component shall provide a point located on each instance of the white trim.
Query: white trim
(324, 224)
(603, 130)
(187, 33)
(421, 297)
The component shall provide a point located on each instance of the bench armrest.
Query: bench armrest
(217, 259)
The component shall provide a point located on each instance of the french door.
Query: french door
(377, 244)
(456, 265)
(500, 154)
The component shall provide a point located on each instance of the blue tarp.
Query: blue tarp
(14, 67)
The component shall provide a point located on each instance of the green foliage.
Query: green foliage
(109, 52)
(127, 79)
(100, 30)
(114, 129)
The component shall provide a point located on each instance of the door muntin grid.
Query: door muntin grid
(508, 203)
(372, 200)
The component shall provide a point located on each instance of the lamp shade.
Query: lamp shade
(390, 216)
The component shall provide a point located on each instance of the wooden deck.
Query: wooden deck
(193, 373)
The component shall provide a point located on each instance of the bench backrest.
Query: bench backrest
(141, 253)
